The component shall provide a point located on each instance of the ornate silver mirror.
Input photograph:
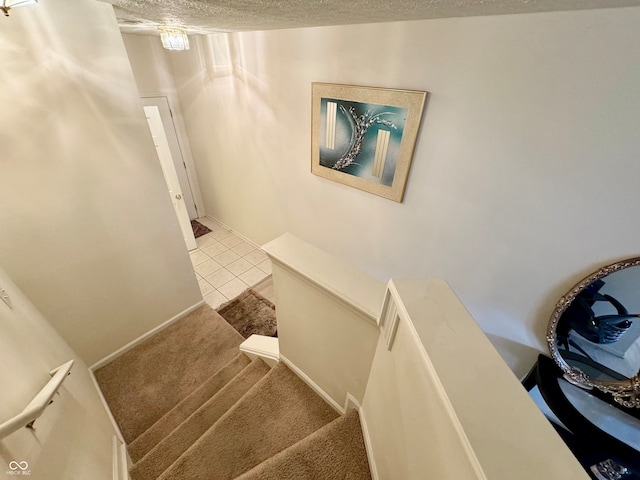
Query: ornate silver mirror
(594, 332)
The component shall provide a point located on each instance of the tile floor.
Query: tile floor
(226, 265)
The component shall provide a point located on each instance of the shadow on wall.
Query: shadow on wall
(232, 55)
(520, 358)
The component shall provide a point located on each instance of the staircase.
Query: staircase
(244, 421)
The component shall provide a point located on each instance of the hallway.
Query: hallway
(226, 265)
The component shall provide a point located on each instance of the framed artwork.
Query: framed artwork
(364, 137)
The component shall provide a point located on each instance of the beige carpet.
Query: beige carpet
(250, 313)
(180, 439)
(336, 451)
(192, 407)
(279, 411)
(147, 381)
(178, 414)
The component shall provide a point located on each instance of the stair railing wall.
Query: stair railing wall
(72, 438)
(411, 428)
(40, 402)
(436, 399)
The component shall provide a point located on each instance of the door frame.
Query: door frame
(183, 143)
(156, 127)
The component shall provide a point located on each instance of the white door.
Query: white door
(170, 175)
(188, 183)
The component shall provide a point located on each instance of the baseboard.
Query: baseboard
(120, 460)
(351, 403)
(124, 462)
(122, 350)
(115, 458)
(314, 386)
(368, 446)
(142, 338)
(227, 227)
(116, 428)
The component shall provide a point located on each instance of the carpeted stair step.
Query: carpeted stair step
(178, 414)
(276, 413)
(169, 449)
(335, 452)
(150, 379)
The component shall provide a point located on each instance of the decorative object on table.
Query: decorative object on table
(199, 229)
(364, 137)
(593, 318)
(581, 318)
(250, 313)
(609, 470)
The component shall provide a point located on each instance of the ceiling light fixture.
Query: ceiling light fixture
(6, 5)
(174, 38)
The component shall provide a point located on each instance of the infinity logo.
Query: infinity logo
(13, 465)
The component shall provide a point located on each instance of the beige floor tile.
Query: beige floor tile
(239, 266)
(220, 234)
(198, 257)
(219, 278)
(205, 287)
(253, 276)
(214, 249)
(204, 240)
(215, 299)
(256, 257)
(207, 268)
(226, 265)
(208, 222)
(231, 241)
(233, 288)
(216, 227)
(226, 258)
(243, 248)
(265, 266)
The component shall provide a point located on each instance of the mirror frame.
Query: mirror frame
(627, 392)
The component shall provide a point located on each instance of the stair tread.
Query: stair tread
(277, 412)
(148, 380)
(174, 417)
(169, 449)
(334, 452)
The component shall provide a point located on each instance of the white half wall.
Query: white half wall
(327, 318)
(87, 227)
(524, 174)
(441, 403)
(73, 437)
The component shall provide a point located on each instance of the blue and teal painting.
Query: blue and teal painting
(361, 139)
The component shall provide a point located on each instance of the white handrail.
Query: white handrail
(35, 408)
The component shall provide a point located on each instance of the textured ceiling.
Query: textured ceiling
(250, 15)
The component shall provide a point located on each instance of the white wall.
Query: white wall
(87, 227)
(72, 439)
(153, 77)
(524, 175)
(149, 63)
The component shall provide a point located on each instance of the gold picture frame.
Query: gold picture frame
(364, 137)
